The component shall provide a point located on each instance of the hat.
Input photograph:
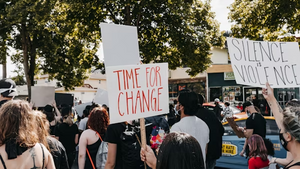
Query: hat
(8, 88)
(217, 100)
(246, 104)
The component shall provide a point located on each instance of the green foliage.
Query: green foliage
(265, 19)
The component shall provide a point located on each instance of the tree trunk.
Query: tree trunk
(26, 58)
(32, 58)
(4, 72)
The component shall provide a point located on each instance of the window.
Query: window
(99, 81)
(35, 82)
(272, 128)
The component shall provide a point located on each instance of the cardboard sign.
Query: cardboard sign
(79, 109)
(64, 98)
(42, 95)
(257, 62)
(101, 97)
(120, 45)
(137, 91)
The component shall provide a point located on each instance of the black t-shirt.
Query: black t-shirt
(258, 123)
(67, 135)
(113, 135)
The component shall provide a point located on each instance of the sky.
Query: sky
(220, 7)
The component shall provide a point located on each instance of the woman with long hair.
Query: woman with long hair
(258, 156)
(67, 133)
(178, 151)
(91, 138)
(288, 121)
(19, 139)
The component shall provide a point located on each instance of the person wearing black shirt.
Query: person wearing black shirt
(216, 131)
(218, 109)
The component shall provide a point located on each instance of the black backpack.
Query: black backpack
(131, 146)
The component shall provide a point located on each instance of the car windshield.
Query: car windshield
(234, 109)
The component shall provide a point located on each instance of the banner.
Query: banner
(64, 99)
(257, 62)
(137, 91)
(101, 97)
(42, 95)
(79, 108)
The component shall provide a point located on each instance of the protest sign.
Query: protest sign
(120, 44)
(64, 99)
(79, 109)
(101, 97)
(42, 95)
(137, 91)
(257, 62)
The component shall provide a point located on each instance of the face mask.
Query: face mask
(283, 141)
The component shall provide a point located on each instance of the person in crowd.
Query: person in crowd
(255, 101)
(19, 140)
(55, 147)
(178, 151)
(106, 108)
(83, 122)
(258, 156)
(177, 111)
(288, 122)
(255, 124)
(8, 90)
(91, 138)
(240, 106)
(67, 133)
(216, 131)
(171, 115)
(189, 123)
(218, 109)
(227, 113)
(53, 116)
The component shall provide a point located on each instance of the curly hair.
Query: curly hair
(98, 120)
(257, 147)
(17, 121)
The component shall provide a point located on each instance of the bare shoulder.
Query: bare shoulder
(87, 133)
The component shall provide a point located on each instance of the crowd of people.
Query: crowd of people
(187, 137)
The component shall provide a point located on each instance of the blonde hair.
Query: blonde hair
(42, 128)
(17, 121)
(291, 121)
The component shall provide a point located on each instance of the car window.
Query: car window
(272, 128)
(229, 131)
(211, 108)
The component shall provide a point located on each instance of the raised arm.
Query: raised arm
(275, 107)
(57, 112)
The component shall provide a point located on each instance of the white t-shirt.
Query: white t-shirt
(195, 127)
(82, 124)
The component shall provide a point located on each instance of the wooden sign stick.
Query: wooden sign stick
(143, 136)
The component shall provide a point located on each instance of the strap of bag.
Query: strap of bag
(89, 152)
(90, 158)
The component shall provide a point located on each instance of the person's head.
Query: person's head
(293, 102)
(66, 114)
(17, 122)
(42, 127)
(290, 133)
(180, 151)
(217, 101)
(227, 104)
(49, 112)
(8, 89)
(249, 107)
(188, 102)
(86, 113)
(98, 120)
(257, 147)
(175, 102)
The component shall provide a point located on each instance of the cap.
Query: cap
(217, 100)
(246, 104)
(8, 88)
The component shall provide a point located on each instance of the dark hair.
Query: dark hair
(175, 101)
(180, 151)
(227, 104)
(86, 112)
(189, 100)
(257, 147)
(65, 111)
(98, 120)
(49, 115)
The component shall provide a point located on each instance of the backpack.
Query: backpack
(131, 146)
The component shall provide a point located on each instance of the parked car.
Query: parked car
(237, 113)
(232, 145)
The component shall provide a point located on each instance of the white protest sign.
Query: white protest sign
(101, 97)
(42, 95)
(137, 91)
(79, 108)
(257, 62)
(120, 45)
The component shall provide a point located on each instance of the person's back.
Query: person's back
(258, 123)
(35, 157)
(58, 153)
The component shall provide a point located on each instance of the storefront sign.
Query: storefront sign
(229, 76)
(257, 62)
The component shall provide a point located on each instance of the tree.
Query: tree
(48, 42)
(174, 31)
(265, 19)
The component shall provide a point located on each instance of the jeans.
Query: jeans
(210, 164)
